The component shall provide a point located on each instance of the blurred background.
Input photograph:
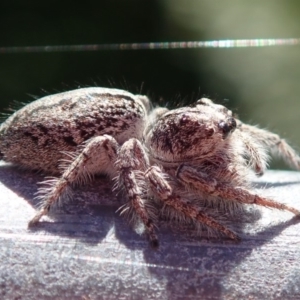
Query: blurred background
(262, 85)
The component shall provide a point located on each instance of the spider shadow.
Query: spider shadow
(201, 267)
(182, 254)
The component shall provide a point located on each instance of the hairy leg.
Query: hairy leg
(98, 155)
(160, 186)
(255, 152)
(132, 163)
(274, 144)
(200, 181)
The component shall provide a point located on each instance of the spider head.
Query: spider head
(227, 123)
(188, 133)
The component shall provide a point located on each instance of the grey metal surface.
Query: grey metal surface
(86, 251)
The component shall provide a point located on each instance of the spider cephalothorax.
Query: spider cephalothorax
(178, 158)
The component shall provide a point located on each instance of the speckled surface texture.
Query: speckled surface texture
(86, 251)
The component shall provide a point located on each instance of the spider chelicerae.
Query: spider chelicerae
(179, 158)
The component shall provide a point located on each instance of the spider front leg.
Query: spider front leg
(98, 155)
(132, 163)
(211, 186)
(160, 186)
(272, 142)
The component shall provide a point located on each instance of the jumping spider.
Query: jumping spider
(155, 155)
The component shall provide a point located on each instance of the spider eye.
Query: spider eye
(227, 126)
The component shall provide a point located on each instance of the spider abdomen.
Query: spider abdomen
(37, 135)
